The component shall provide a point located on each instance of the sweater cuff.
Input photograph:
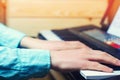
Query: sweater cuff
(35, 63)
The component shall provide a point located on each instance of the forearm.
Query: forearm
(28, 42)
(34, 43)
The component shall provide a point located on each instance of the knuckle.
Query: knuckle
(84, 66)
(115, 61)
(103, 54)
(95, 64)
(92, 65)
(84, 49)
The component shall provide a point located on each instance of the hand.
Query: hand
(82, 59)
(51, 45)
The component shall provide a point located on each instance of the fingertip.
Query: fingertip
(110, 70)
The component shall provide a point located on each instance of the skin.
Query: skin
(51, 45)
(72, 55)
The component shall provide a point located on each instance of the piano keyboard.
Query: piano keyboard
(87, 74)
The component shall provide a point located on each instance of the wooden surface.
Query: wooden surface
(33, 26)
(25, 15)
(2, 12)
(57, 8)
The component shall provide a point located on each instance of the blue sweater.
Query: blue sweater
(18, 63)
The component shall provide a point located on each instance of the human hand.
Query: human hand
(29, 42)
(82, 59)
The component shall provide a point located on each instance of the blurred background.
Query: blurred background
(32, 16)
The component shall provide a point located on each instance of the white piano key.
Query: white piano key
(89, 74)
(49, 35)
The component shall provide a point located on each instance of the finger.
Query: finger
(97, 66)
(76, 45)
(104, 57)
